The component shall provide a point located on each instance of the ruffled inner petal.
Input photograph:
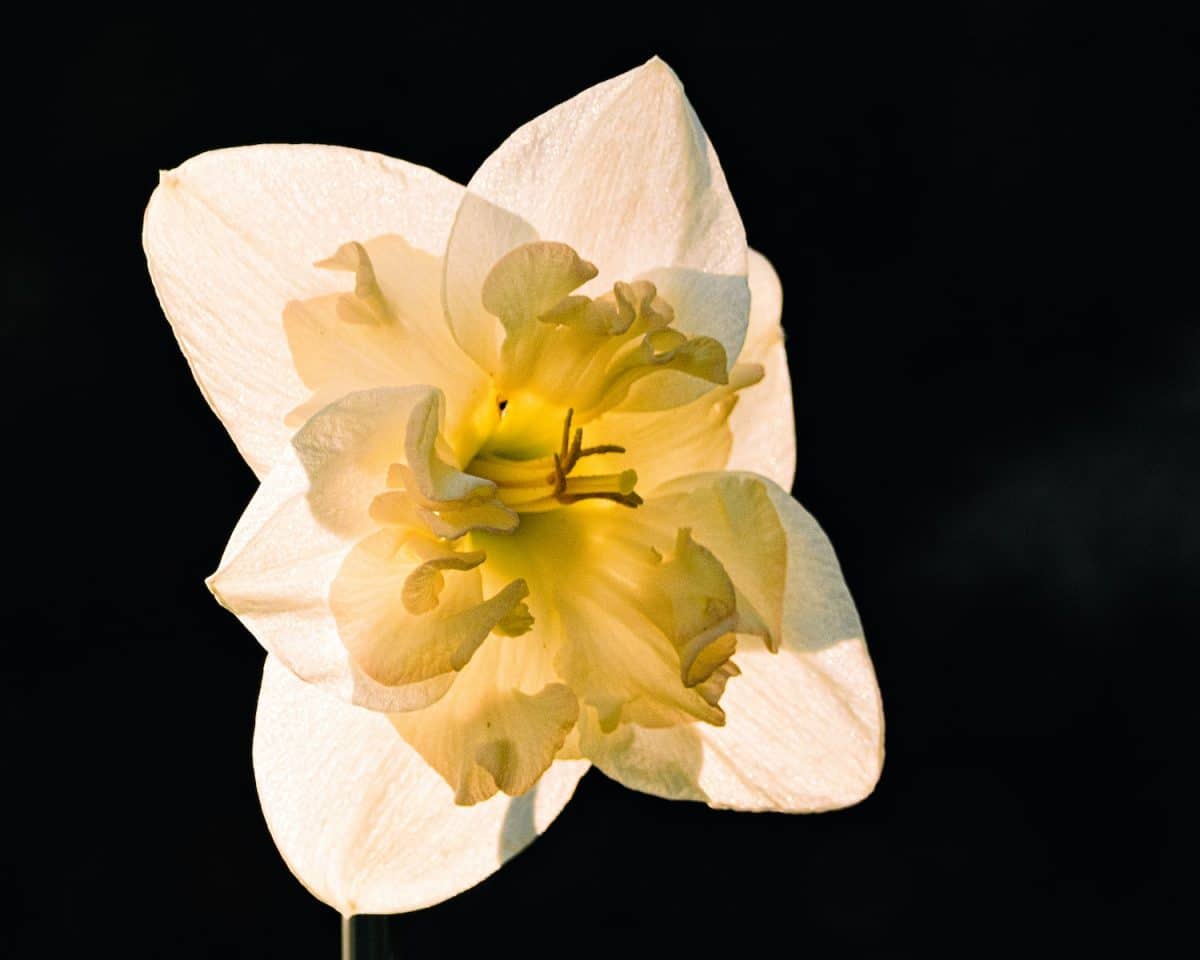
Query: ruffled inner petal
(410, 609)
(734, 516)
(639, 616)
(689, 438)
(500, 725)
(389, 330)
(347, 585)
(567, 351)
(805, 725)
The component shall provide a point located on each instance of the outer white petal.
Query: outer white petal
(363, 822)
(624, 174)
(804, 727)
(231, 237)
(763, 422)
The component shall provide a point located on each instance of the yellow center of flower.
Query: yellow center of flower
(546, 483)
(507, 597)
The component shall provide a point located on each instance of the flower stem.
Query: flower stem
(365, 937)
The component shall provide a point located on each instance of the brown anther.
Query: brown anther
(624, 499)
(566, 436)
(570, 453)
(559, 477)
(602, 448)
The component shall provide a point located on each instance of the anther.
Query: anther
(567, 491)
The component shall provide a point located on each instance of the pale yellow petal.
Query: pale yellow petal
(499, 726)
(624, 668)
(690, 598)
(362, 821)
(734, 517)
(612, 610)
(589, 355)
(705, 304)
(409, 609)
(348, 450)
(625, 175)
(804, 727)
(665, 444)
(530, 279)
(231, 238)
(763, 422)
(304, 575)
(388, 329)
(448, 501)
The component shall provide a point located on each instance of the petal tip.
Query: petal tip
(656, 66)
(212, 583)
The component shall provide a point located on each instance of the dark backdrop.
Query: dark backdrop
(978, 218)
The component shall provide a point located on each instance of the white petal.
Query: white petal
(625, 175)
(231, 237)
(763, 422)
(362, 821)
(804, 727)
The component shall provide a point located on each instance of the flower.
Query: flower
(521, 512)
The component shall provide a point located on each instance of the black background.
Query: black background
(979, 218)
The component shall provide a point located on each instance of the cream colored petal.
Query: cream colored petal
(662, 445)
(624, 669)
(231, 238)
(388, 330)
(804, 727)
(447, 501)
(411, 610)
(499, 726)
(624, 629)
(362, 821)
(303, 551)
(530, 279)
(625, 175)
(763, 422)
(704, 304)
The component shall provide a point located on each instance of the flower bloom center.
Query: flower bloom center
(513, 582)
(546, 483)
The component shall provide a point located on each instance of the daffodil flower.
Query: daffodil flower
(525, 450)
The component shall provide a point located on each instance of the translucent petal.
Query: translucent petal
(362, 821)
(231, 237)
(627, 611)
(388, 331)
(499, 726)
(311, 574)
(662, 445)
(763, 422)
(409, 609)
(804, 727)
(625, 175)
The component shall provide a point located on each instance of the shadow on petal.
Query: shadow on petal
(713, 305)
(483, 233)
(519, 824)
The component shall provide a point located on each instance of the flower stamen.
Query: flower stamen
(546, 483)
